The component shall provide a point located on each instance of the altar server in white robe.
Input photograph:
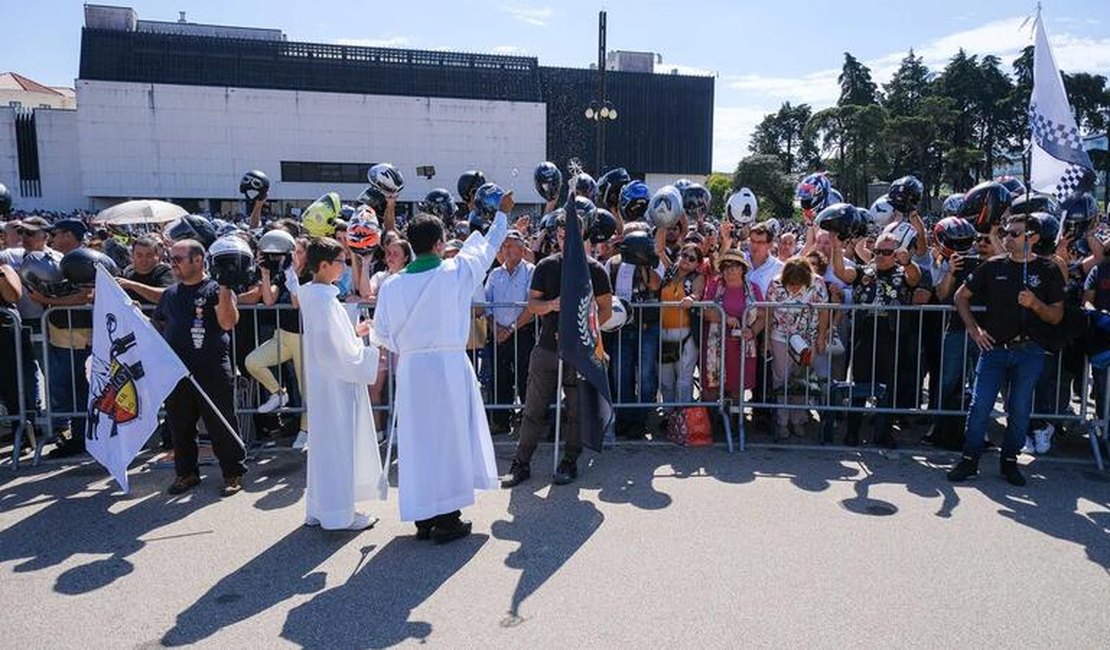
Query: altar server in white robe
(423, 315)
(344, 467)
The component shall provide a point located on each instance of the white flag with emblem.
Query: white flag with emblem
(131, 372)
(1059, 164)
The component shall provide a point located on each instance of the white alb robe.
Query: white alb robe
(343, 462)
(443, 442)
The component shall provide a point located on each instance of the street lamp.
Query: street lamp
(601, 110)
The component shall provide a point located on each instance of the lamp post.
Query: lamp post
(600, 110)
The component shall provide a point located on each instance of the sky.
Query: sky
(761, 53)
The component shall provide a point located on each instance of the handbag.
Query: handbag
(670, 351)
(690, 427)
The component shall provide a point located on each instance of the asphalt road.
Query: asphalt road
(655, 546)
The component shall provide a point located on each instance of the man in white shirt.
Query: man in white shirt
(765, 266)
(514, 335)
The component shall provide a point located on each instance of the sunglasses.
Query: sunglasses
(984, 239)
(884, 251)
(691, 258)
(1015, 233)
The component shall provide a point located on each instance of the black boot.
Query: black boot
(518, 473)
(450, 527)
(1011, 473)
(566, 473)
(968, 467)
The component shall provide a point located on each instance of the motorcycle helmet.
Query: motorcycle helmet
(41, 271)
(954, 235)
(638, 248)
(79, 266)
(1031, 202)
(319, 218)
(952, 205)
(799, 350)
(774, 227)
(635, 197)
(549, 181)
(840, 219)
(374, 198)
(254, 185)
(585, 185)
(440, 203)
(222, 227)
(742, 207)
(695, 201)
(386, 178)
(1048, 227)
(604, 227)
(587, 214)
(476, 223)
(621, 311)
(882, 212)
(682, 183)
(487, 200)
(813, 192)
(862, 224)
(191, 226)
(665, 208)
(230, 262)
(905, 194)
(610, 184)
(277, 241)
(1016, 187)
(1078, 212)
(469, 183)
(985, 204)
(363, 232)
(904, 233)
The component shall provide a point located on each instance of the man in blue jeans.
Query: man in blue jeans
(1024, 298)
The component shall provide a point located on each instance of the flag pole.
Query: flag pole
(208, 400)
(558, 416)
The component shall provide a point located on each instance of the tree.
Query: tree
(783, 134)
(763, 174)
(856, 86)
(1089, 100)
(909, 85)
(719, 186)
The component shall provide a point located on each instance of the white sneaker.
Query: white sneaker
(1030, 447)
(362, 522)
(1043, 438)
(302, 441)
(275, 401)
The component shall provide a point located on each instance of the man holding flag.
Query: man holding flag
(571, 294)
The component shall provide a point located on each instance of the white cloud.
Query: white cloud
(745, 99)
(514, 50)
(387, 41)
(537, 16)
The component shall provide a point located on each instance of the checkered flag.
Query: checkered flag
(1059, 165)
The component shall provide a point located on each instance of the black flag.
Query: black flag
(579, 336)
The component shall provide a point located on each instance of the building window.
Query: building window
(323, 172)
(16, 105)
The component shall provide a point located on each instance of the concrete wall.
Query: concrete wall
(58, 170)
(9, 159)
(165, 141)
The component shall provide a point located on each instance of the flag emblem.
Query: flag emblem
(113, 382)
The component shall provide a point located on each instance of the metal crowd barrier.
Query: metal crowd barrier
(15, 415)
(821, 391)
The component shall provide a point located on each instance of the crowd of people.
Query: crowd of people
(692, 307)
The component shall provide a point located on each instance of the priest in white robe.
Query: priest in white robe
(423, 315)
(344, 467)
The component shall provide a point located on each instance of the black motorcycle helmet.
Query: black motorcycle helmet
(695, 201)
(585, 185)
(79, 266)
(1016, 187)
(375, 198)
(1035, 202)
(440, 203)
(905, 194)
(549, 180)
(5, 201)
(1077, 213)
(469, 183)
(1048, 227)
(985, 204)
(587, 214)
(839, 219)
(605, 226)
(610, 184)
(638, 248)
(192, 226)
(254, 185)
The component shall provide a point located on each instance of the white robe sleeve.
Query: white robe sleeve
(478, 252)
(381, 334)
(340, 353)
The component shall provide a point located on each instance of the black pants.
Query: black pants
(511, 371)
(543, 372)
(185, 406)
(873, 364)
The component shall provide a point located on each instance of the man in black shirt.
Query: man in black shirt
(1024, 298)
(147, 276)
(195, 316)
(543, 367)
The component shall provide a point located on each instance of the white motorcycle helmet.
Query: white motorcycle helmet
(742, 207)
(882, 212)
(619, 317)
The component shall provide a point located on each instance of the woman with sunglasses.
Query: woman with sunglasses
(888, 280)
(683, 283)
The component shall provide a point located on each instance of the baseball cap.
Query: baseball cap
(515, 235)
(76, 227)
(34, 224)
